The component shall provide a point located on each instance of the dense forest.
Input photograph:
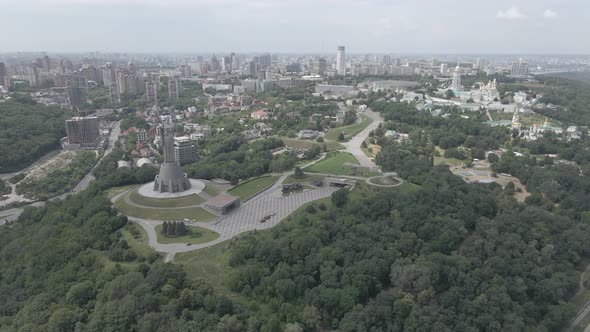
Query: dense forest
(60, 180)
(449, 132)
(436, 254)
(233, 158)
(28, 131)
(573, 96)
(64, 267)
(449, 257)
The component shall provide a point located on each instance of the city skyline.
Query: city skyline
(373, 26)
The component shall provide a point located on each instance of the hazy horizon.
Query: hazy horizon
(542, 27)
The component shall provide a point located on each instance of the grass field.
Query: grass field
(247, 189)
(367, 153)
(210, 190)
(185, 201)
(193, 213)
(210, 264)
(300, 144)
(334, 164)
(349, 130)
(196, 235)
(112, 192)
(446, 161)
(304, 178)
(139, 244)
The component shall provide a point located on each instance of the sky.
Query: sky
(297, 26)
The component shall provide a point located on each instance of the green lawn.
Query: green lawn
(367, 153)
(196, 235)
(334, 164)
(190, 200)
(210, 264)
(302, 144)
(349, 130)
(195, 213)
(304, 178)
(138, 243)
(446, 161)
(112, 192)
(209, 189)
(247, 189)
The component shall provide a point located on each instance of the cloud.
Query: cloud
(549, 14)
(512, 13)
(384, 24)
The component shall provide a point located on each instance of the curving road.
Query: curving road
(354, 145)
(13, 214)
(247, 218)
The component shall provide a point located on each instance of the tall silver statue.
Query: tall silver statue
(171, 177)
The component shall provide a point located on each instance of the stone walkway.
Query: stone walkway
(246, 218)
(354, 145)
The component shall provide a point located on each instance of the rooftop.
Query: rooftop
(222, 200)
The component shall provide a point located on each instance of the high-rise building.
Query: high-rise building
(151, 92)
(3, 74)
(108, 74)
(226, 63)
(386, 60)
(320, 66)
(91, 73)
(341, 61)
(186, 71)
(519, 68)
(235, 62)
(76, 96)
(129, 84)
(46, 64)
(444, 68)
(215, 64)
(171, 178)
(251, 68)
(174, 87)
(456, 83)
(61, 66)
(264, 61)
(82, 130)
(481, 64)
(114, 93)
(35, 80)
(131, 68)
(185, 152)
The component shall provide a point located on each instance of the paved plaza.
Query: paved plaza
(246, 218)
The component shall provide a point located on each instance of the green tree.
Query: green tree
(299, 172)
(449, 94)
(340, 197)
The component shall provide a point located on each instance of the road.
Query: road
(39, 161)
(246, 218)
(13, 214)
(354, 145)
(268, 203)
